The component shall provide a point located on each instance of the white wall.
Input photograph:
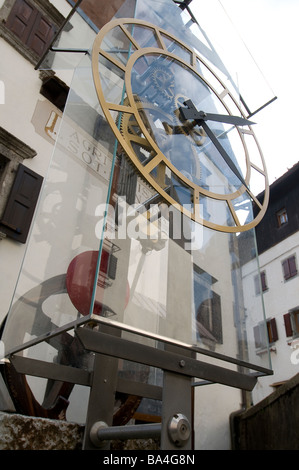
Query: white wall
(280, 297)
(22, 85)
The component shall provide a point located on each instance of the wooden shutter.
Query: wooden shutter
(292, 266)
(264, 281)
(21, 19)
(288, 324)
(28, 24)
(286, 270)
(21, 204)
(273, 334)
(289, 267)
(40, 35)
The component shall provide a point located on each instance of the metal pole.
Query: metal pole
(101, 432)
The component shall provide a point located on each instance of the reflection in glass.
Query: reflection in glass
(160, 87)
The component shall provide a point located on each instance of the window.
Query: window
(260, 281)
(282, 217)
(21, 203)
(264, 333)
(54, 90)
(272, 331)
(19, 187)
(291, 323)
(289, 267)
(29, 26)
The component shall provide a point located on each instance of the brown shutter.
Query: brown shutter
(41, 35)
(292, 266)
(264, 281)
(274, 333)
(28, 24)
(286, 270)
(288, 324)
(21, 204)
(289, 267)
(21, 19)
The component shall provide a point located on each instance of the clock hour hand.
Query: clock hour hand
(223, 153)
(191, 113)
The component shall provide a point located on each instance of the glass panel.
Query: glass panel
(147, 242)
(216, 211)
(112, 79)
(56, 283)
(176, 48)
(242, 208)
(145, 37)
(124, 45)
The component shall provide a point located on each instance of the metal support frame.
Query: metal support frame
(179, 367)
(175, 430)
(175, 362)
(102, 397)
(177, 395)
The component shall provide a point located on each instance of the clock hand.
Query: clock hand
(223, 153)
(199, 117)
(227, 119)
(191, 113)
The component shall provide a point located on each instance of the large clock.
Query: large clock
(179, 124)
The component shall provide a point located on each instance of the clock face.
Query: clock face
(179, 124)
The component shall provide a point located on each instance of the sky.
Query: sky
(269, 28)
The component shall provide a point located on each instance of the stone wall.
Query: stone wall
(18, 432)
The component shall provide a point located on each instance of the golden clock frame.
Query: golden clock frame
(132, 109)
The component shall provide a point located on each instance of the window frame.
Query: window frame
(279, 215)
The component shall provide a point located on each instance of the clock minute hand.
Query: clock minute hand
(227, 119)
(191, 113)
(223, 153)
